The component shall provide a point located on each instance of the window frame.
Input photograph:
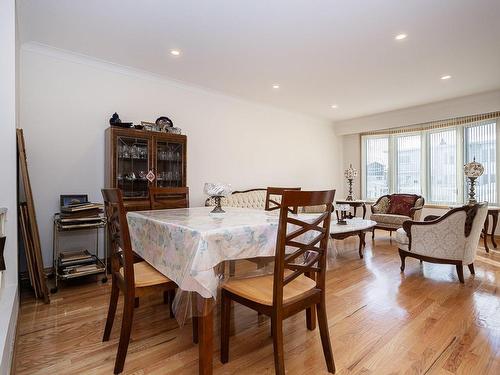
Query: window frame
(425, 188)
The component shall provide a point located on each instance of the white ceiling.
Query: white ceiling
(320, 52)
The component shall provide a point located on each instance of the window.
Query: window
(443, 167)
(408, 164)
(480, 143)
(377, 165)
(429, 161)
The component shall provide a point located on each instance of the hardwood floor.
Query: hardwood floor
(381, 322)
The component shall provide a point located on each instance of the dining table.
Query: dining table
(187, 245)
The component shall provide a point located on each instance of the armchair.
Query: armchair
(449, 239)
(392, 210)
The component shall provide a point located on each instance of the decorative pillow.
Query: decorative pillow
(401, 204)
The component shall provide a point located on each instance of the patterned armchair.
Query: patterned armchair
(451, 239)
(391, 211)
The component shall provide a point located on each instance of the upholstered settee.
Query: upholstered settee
(452, 238)
(253, 198)
(391, 211)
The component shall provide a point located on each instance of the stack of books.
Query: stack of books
(81, 215)
(78, 263)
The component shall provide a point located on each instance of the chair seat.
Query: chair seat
(145, 275)
(260, 288)
(390, 219)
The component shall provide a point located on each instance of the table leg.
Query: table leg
(485, 233)
(361, 236)
(206, 337)
(494, 227)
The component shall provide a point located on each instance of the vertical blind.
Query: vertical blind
(443, 167)
(408, 179)
(480, 143)
(377, 165)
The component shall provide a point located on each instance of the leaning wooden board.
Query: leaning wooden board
(32, 225)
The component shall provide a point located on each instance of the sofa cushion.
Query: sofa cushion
(394, 220)
(401, 204)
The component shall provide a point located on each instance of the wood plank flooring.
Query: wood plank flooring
(381, 322)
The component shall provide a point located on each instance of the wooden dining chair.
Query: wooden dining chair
(132, 279)
(289, 290)
(271, 202)
(168, 197)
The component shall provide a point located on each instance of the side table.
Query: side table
(355, 204)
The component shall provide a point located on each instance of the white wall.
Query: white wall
(8, 290)
(66, 101)
(463, 106)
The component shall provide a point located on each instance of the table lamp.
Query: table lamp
(350, 173)
(472, 171)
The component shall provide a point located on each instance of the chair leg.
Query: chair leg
(225, 322)
(170, 298)
(460, 272)
(373, 234)
(136, 302)
(310, 311)
(311, 318)
(194, 320)
(402, 256)
(279, 359)
(128, 316)
(325, 337)
(113, 302)
(471, 268)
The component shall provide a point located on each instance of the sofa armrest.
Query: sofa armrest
(414, 210)
(431, 217)
(381, 205)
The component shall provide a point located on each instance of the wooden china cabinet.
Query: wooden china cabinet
(137, 159)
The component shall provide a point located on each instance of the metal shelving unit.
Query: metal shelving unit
(71, 269)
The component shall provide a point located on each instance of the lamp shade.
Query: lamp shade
(473, 169)
(350, 172)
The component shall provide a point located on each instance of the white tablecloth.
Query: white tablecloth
(186, 244)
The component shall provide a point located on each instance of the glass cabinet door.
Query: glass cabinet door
(132, 166)
(169, 164)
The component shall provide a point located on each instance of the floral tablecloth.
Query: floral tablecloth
(186, 244)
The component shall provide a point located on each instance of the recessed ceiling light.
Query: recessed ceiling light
(175, 52)
(276, 86)
(400, 36)
(335, 106)
(445, 77)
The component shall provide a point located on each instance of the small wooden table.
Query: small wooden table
(493, 212)
(355, 204)
(354, 227)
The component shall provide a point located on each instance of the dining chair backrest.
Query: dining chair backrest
(308, 257)
(274, 203)
(168, 197)
(121, 247)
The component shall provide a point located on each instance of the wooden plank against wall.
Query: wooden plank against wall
(32, 225)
